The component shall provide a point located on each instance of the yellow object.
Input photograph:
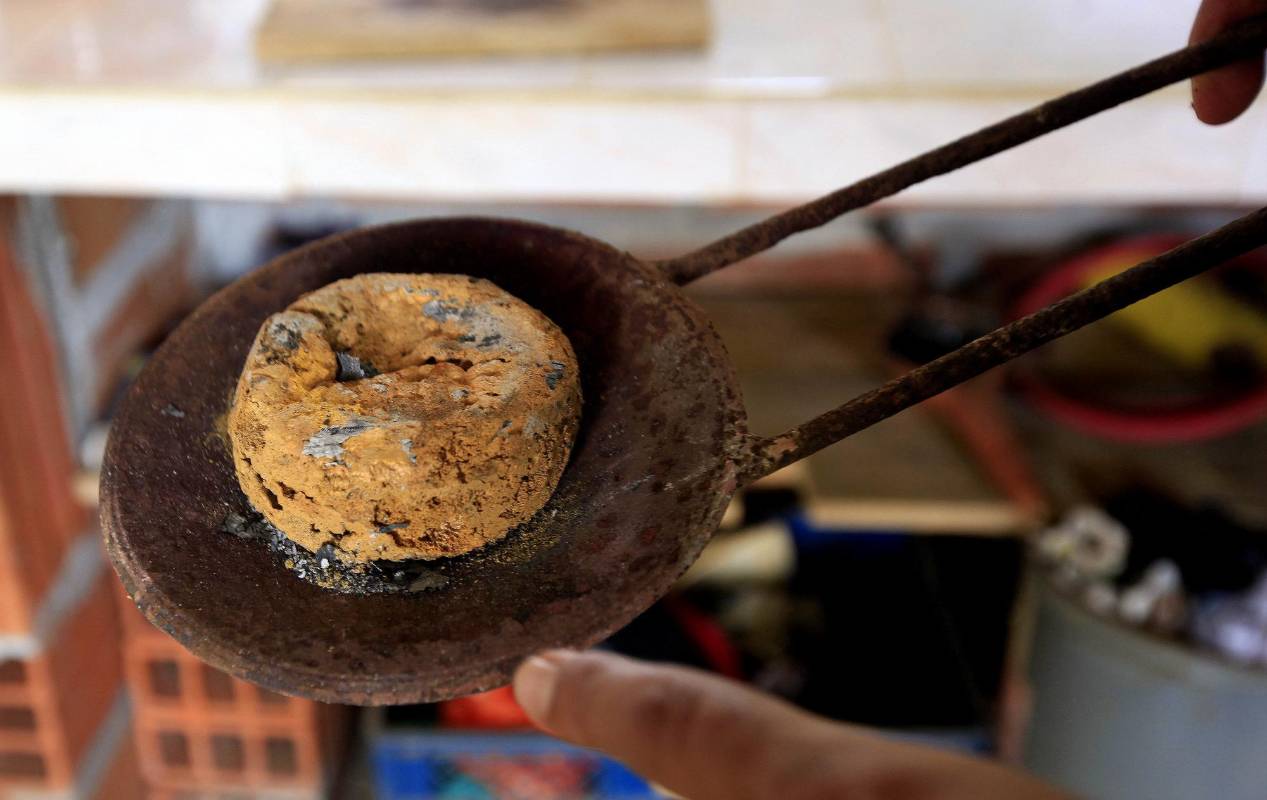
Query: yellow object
(1190, 320)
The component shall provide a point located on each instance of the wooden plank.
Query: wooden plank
(353, 29)
(904, 515)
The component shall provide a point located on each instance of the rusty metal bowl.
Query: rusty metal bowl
(650, 475)
(661, 449)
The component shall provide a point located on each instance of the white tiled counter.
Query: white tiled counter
(790, 100)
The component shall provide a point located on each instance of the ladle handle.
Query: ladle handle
(759, 457)
(1245, 40)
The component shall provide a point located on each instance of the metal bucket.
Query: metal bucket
(1119, 713)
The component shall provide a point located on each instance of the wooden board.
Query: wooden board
(354, 29)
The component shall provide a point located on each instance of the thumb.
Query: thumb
(712, 739)
(1220, 96)
(698, 735)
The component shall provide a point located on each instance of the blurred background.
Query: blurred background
(1061, 564)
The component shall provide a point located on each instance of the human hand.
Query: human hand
(708, 738)
(1220, 96)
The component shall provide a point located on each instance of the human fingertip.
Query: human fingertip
(1207, 101)
(1220, 96)
(536, 681)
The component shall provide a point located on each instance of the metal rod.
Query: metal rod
(1005, 343)
(1246, 40)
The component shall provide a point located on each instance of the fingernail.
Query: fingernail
(535, 682)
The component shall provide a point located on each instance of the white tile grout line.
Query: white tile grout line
(44, 258)
(146, 242)
(78, 314)
(106, 744)
(75, 579)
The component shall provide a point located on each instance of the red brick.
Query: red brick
(122, 780)
(64, 693)
(39, 515)
(197, 727)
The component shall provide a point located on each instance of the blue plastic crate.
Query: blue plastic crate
(434, 765)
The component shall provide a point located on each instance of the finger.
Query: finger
(1220, 96)
(712, 739)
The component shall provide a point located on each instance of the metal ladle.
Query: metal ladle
(662, 448)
